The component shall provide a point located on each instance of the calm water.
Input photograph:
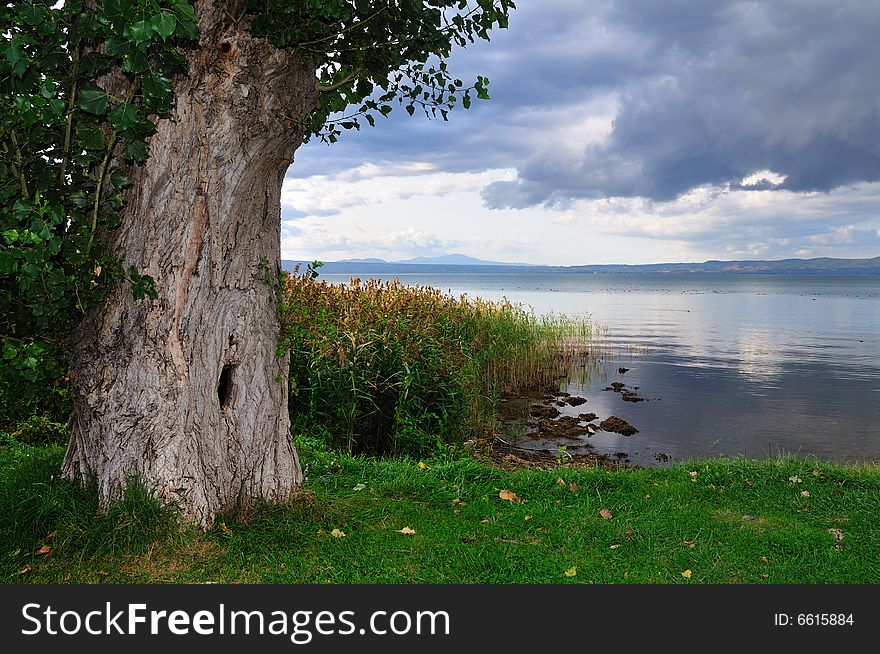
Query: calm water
(733, 364)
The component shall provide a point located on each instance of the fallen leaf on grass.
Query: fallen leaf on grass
(484, 521)
(560, 481)
(103, 573)
(422, 465)
(457, 511)
(794, 479)
(527, 517)
(573, 486)
(615, 546)
(605, 513)
(359, 487)
(693, 474)
(689, 543)
(45, 549)
(457, 502)
(834, 531)
(510, 496)
(817, 472)
(337, 533)
(226, 530)
(805, 493)
(687, 574)
(406, 531)
(572, 571)
(765, 559)
(24, 570)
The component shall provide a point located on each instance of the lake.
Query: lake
(729, 364)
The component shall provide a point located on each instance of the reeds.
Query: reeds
(385, 368)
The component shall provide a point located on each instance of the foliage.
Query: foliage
(389, 368)
(68, 136)
(369, 54)
(81, 87)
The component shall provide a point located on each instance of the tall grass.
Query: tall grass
(385, 368)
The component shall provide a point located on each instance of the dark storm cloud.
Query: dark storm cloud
(703, 92)
(727, 89)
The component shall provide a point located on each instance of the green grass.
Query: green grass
(663, 521)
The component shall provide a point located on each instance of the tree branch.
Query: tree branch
(326, 88)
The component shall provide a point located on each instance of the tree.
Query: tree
(143, 149)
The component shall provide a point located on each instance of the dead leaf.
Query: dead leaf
(456, 511)
(605, 513)
(510, 496)
(422, 465)
(615, 546)
(45, 549)
(693, 474)
(647, 497)
(359, 487)
(226, 530)
(457, 502)
(103, 573)
(337, 533)
(817, 472)
(794, 479)
(687, 574)
(572, 571)
(573, 486)
(765, 559)
(406, 531)
(484, 521)
(24, 570)
(527, 517)
(689, 543)
(805, 493)
(834, 531)
(560, 481)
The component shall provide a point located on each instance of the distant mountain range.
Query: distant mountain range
(459, 263)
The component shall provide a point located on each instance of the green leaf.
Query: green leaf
(163, 24)
(140, 31)
(119, 179)
(90, 138)
(123, 117)
(93, 99)
(157, 86)
(136, 151)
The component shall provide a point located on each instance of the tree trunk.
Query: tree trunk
(184, 392)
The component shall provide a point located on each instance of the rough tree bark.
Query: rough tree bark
(182, 392)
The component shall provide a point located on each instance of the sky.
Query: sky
(621, 131)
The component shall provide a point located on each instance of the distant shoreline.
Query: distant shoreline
(788, 267)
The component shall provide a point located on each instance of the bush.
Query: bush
(385, 368)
